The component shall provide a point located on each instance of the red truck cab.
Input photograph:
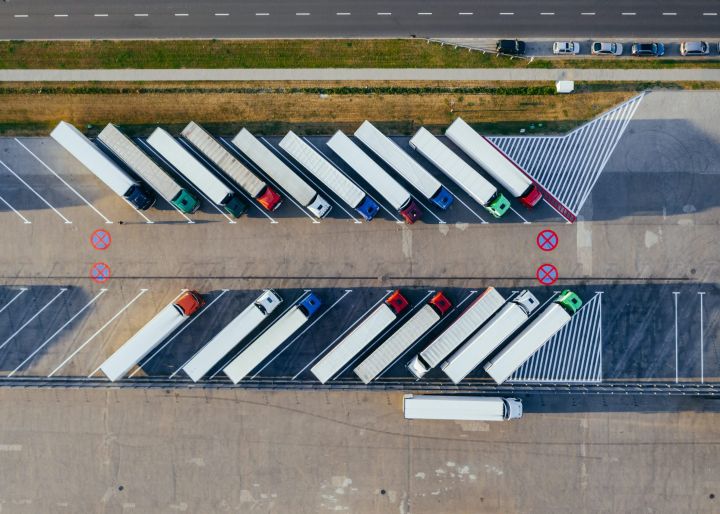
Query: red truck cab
(441, 303)
(531, 197)
(397, 302)
(190, 302)
(269, 199)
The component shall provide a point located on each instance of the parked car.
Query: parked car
(694, 48)
(648, 49)
(601, 48)
(510, 47)
(566, 47)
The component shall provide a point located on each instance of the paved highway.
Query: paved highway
(73, 19)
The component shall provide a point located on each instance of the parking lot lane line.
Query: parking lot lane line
(563, 218)
(675, 298)
(526, 222)
(482, 221)
(290, 306)
(25, 220)
(142, 292)
(147, 220)
(232, 184)
(62, 290)
(22, 290)
(309, 179)
(193, 186)
(261, 173)
(346, 331)
(29, 357)
(702, 340)
(63, 181)
(185, 327)
(351, 180)
(67, 221)
(382, 336)
(347, 292)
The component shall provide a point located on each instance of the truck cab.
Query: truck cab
(411, 212)
(189, 303)
(140, 197)
(440, 303)
(397, 302)
(442, 198)
(319, 207)
(269, 199)
(531, 197)
(513, 408)
(186, 202)
(569, 301)
(310, 305)
(527, 301)
(368, 208)
(268, 301)
(498, 205)
(234, 205)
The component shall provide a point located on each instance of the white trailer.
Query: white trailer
(329, 175)
(403, 338)
(188, 166)
(463, 327)
(496, 331)
(236, 170)
(494, 162)
(533, 337)
(361, 336)
(271, 339)
(125, 150)
(378, 178)
(122, 184)
(405, 165)
(460, 172)
(232, 335)
(461, 408)
(151, 335)
(280, 173)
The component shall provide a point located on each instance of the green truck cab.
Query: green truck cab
(569, 301)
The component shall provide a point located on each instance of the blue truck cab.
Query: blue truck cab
(442, 198)
(310, 304)
(141, 197)
(368, 208)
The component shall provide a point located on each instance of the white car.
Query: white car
(600, 48)
(566, 47)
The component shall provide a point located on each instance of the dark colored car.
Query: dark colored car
(510, 47)
(648, 49)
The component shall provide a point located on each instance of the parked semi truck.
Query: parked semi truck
(190, 168)
(232, 335)
(152, 334)
(463, 327)
(534, 336)
(403, 338)
(318, 166)
(496, 331)
(122, 184)
(460, 172)
(361, 336)
(395, 194)
(405, 165)
(494, 162)
(272, 338)
(461, 408)
(144, 167)
(237, 171)
(280, 173)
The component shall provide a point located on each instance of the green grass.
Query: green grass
(296, 53)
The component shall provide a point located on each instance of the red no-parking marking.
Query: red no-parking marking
(100, 239)
(547, 240)
(100, 272)
(547, 274)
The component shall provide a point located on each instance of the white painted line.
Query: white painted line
(628, 14)
(25, 220)
(259, 171)
(60, 15)
(62, 290)
(22, 290)
(147, 220)
(292, 304)
(675, 297)
(20, 16)
(526, 222)
(73, 354)
(710, 14)
(312, 181)
(29, 357)
(702, 341)
(465, 13)
(193, 186)
(212, 166)
(424, 14)
(342, 14)
(302, 14)
(347, 292)
(67, 221)
(507, 13)
(63, 181)
(143, 15)
(181, 14)
(587, 14)
(384, 14)
(100, 15)
(185, 326)
(669, 14)
(547, 14)
(482, 221)
(347, 330)
(222, 14)
(262, 14)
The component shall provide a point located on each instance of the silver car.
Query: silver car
(694, 48)
(566, 47)
(601, 48)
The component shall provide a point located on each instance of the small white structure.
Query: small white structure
(565, 86)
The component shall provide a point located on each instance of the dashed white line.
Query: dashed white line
(710, 14)
(181, 14)
(669, 14)
(21, 16)
(628, 13)
(222, 14)
(384, 14)
(424, 14)
(302, 14)
(141, 15)
(101, 15)
(547, 14)
(60, 15)
(342, 14)
(587, 14)
(507, 14)
(465, 13)
(262, 14)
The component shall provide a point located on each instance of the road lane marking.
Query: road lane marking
(63, 181)
(675, 298)
(100, 15)
(73, 354)
(181, 14)
(628, 14)
(547, 14)
(587, 14)
(302, 14)
(62, 290)
(342, 14)
(384, 14)
(465, 14)
(710, 14)
(22, 290)
(60, 15)
(185, 326)
(25, 220)
(141, 15)
(45, 343)
(222, 14)
(67, 221)
(21, 16)
(147, 220)
(702, 341)
(347, 292)
(262, 14)
(669, 14)
(424, 14)
(507, 14)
